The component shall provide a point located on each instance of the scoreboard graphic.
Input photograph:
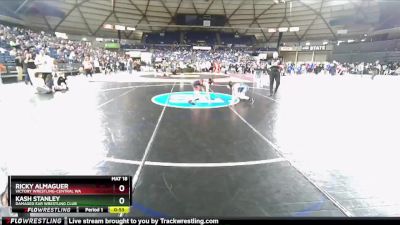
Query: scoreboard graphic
(30, 196)
(70, 194)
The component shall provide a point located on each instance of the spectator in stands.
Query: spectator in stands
(2, 70)
(19, 66)
(88, 67)
(31, 67)
(72, 57)
(164, 67)
(130, 65)
(13, 52)
(40, 60)
(96, 65)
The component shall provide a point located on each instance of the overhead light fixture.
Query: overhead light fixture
(283, 29)
(294, 29)
(119, 27)
(350, 41)
(325, 42)
(99, 39)
(363, 40)
(271, 30)
(108, 26)
(84, 39)
(342, 31)
(308, 43)
(130, 28)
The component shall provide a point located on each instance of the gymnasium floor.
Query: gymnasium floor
(324, 146)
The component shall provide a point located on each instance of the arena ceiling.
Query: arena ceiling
(317, 19)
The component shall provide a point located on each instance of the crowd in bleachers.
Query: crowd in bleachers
(15, 41)
(199, 59)
(22, 50)
(222, 60)
(337, 68)
(239, 61)
(19, 48)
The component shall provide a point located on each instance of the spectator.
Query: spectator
(19, 66)
(31, 67)
(2, 70)
(87, 67)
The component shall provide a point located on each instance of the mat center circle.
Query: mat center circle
(191, 100)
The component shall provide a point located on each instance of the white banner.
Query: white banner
(134, 54)
(207, 48)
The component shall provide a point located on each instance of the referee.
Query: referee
(273, 69)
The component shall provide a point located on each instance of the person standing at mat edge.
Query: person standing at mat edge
(273, 69)
(88, 67)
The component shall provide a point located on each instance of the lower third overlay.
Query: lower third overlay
(104, 221)
(158, 221)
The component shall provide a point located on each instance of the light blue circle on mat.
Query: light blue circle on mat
(181, 100)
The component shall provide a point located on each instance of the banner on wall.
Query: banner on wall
(134, 54)
(206, 48)
(289, 49)
(314, 48)
(305, 48)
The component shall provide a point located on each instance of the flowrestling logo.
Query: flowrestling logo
(183, 100)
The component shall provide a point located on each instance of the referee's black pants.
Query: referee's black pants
(274, 76)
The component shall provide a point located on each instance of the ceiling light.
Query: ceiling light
(283, 29)
(119, 27)
(108, 26)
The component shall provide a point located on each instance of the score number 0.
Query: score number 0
(121, 188)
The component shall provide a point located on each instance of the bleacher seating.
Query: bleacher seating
(198, 37)
(384, 51)
(158, 38)
(393, 57)
(209, 38)
(230, 38)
